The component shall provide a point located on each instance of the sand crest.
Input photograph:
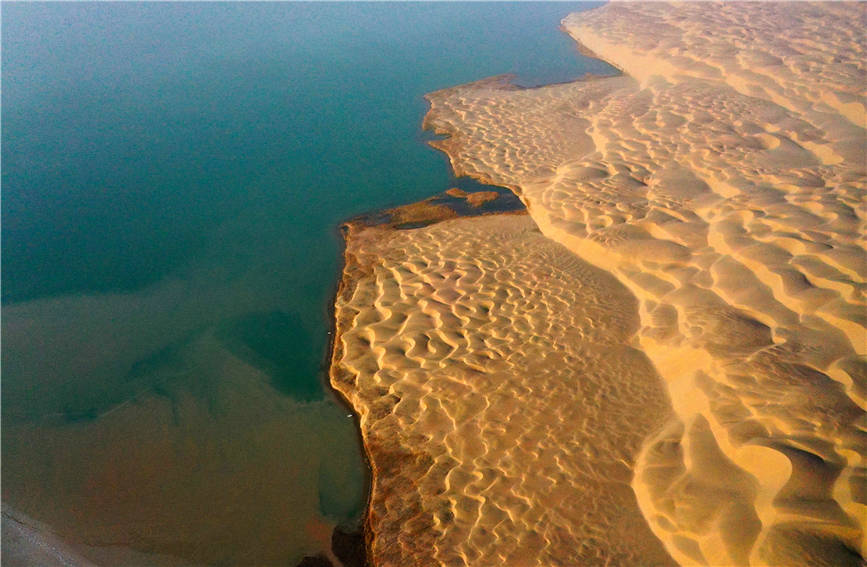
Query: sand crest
(500, 403)
(722, 181)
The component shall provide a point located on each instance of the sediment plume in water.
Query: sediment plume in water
(665, 361)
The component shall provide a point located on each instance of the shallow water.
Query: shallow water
(173, 175)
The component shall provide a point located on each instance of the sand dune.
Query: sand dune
(722, 181)
(501, 405)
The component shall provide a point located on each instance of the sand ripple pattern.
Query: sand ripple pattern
(500, 405)
(722, 181)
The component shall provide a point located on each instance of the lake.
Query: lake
(173, 178)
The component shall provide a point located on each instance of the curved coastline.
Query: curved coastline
(447, 205)
(758, 463)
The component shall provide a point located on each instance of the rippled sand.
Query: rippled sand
(500, 403)
(721, 180)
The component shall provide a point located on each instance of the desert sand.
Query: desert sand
(501, 405)
(679, 350)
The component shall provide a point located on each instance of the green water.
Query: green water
(172, 177)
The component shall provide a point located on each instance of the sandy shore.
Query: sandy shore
(721, 180)
(672, 343)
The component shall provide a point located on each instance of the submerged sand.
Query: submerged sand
(682, 348)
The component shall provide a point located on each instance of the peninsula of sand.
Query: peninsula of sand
(663, 360)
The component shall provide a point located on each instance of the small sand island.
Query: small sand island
(662, 360)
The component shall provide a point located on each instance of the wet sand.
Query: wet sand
(680, 351)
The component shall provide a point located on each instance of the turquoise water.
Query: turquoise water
(172, 178)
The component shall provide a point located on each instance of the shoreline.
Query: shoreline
(324, 372)
(748, 291)
(346, 284)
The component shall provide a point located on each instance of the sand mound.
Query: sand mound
(722, 181)
(500, 405)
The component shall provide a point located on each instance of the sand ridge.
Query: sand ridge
(722, 180)
(501, 406)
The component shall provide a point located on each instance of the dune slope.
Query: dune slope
(722, 181)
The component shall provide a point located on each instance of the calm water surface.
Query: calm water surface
(172, 176)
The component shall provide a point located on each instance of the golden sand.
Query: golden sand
(721, 180)
(501, 405)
